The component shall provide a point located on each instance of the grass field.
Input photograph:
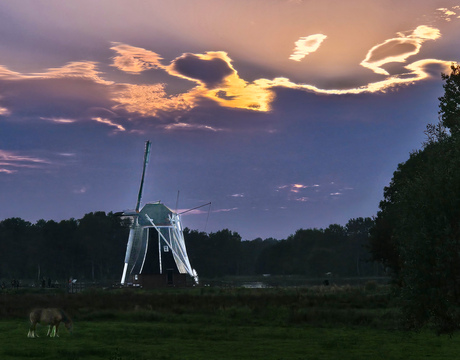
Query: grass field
(220, 324)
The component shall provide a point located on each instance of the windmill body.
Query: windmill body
(168, 227)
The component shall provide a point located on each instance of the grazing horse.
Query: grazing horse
(51, 317)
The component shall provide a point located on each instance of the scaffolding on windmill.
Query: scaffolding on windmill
(168, 226)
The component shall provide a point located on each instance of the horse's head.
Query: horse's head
(69, 326)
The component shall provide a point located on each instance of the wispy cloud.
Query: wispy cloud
(4, 111)
(224, 210)
(295, 188)
(59, 120)
(77, 69)
(306, 45)
(447, 14)
(135, 60)
(186, 126)
(81, 190)
(110, 123)
(11, 161)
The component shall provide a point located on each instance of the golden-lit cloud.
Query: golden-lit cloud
(134, 60)
(148, 100)
(398, 49)
(216, 78)
(306, 45)
(414, 72)
(237, 93)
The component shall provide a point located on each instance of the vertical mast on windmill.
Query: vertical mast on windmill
(168, 225)
(135, 228)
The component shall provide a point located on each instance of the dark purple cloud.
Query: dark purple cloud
(211, 72)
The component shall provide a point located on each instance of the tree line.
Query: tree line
(93, 248)
(337, 250)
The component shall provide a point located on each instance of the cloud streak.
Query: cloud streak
(11, 161)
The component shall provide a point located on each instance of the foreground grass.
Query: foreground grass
(160, 340)
(276, 324)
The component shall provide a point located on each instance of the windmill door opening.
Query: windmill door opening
(170, 276)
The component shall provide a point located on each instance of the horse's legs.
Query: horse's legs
(49, 331)
(54, 330)
(32, 333)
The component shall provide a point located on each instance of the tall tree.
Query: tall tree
(419, 223)
(449, 103)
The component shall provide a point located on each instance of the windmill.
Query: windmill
(167, 224)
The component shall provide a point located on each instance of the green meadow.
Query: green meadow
(219, 323)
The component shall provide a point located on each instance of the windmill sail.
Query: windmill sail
(136, 249)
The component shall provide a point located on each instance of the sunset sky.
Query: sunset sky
(285, 114)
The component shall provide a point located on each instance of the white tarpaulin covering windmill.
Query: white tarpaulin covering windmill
(168, 225)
